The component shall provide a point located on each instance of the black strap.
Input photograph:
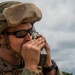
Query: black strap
(50, 68)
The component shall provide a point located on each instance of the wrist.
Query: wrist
(49, 68)
(47, 64)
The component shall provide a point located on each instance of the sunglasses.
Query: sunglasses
(21, 33)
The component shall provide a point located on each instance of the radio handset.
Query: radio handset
(43, 54)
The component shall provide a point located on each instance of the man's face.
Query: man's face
(17, 42)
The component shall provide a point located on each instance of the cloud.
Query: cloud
(67, 44)
(60, 17)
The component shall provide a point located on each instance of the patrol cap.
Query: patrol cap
(12, 13)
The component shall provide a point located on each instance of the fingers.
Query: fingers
(36, 41)
(41, 45)
(36, 44)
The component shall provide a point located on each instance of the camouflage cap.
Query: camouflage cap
(12, 13)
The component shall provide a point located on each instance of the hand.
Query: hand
(47, 48)
(31, 52)
(48, 60)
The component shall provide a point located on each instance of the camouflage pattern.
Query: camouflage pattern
(13, 13)
(8, 69)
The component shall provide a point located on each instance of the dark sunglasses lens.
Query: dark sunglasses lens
(21, 34)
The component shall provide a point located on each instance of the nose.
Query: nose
(28, 37)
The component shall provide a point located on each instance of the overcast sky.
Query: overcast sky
(58, 26)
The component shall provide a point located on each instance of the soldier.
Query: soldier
(19, 52)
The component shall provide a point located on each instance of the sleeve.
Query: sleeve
(39, 71)
(50, 68)
(28, 72)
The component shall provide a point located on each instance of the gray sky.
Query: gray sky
(58, 26)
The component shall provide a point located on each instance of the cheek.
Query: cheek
(15, 43)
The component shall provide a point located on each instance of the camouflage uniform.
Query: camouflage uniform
(8, 69)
